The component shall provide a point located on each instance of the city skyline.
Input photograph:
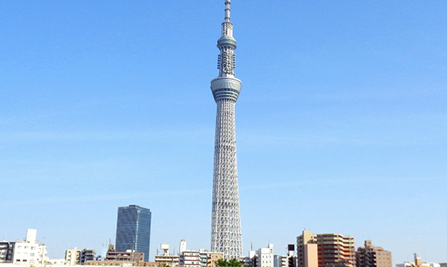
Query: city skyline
(341, 127)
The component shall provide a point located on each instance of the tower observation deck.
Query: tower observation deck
(226, 234)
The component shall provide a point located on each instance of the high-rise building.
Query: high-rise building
(371, 256)
(226, 234)
(325, 250)
(133, 230)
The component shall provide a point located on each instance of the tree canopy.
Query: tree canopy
(228, 263)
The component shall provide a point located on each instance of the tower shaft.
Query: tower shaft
(226, 234)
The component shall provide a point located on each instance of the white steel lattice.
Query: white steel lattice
(226, 234)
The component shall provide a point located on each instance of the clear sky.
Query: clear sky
(341, 122)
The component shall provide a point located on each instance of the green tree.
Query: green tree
(229, 263)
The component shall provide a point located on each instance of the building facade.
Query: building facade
(226, 233)
(199, 258)
(87, 255)
(73, 256)
(264, 257)
(371, 256)
(127, 256)
(166, 258)
(29, 251)
(6, 251)
(325, 250)
(133, 230)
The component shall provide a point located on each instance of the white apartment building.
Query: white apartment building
(29, 251)
(199, 258)
(265, 257)
(190, 258)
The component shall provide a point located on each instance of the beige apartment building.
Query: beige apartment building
(73, 256)
(325, 250)
(371, 256)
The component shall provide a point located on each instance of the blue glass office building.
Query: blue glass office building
(133, 230)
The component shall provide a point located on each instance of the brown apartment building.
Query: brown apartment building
(371, 256)
(325, 250)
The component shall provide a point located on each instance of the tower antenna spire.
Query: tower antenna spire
(227, 10)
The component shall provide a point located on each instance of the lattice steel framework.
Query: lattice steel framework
(226, 234)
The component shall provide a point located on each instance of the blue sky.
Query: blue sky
(341, 122)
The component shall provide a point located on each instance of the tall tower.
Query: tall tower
(133, 230)
(226, 234)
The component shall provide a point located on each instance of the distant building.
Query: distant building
(128, 256)
(417, 263)
(73, 256)
(55, 262)
(250, 260)
(133, 230)
(122, 263)
(166, 258)
(87, 255)
(291, 256)
(264, 256)
(190, 258)
(371, 256)
(279, 261)
(325, 250)
(182, 246)
(199, 258)
(6, 251)
(29, 251)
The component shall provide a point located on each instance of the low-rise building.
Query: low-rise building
(87, 255)
(73, 256)
(6, 251)
(188, 258)
(166, 258)
(417, 263)
(29, 251)
(122, 263)
(132, 256)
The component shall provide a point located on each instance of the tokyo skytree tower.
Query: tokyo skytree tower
(226, 234)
